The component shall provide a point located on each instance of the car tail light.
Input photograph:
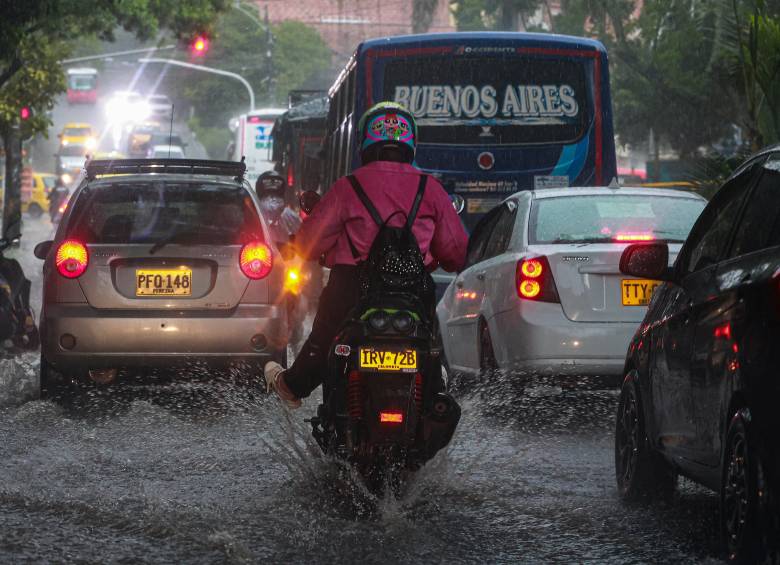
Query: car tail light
(71, 258)
(391, 417)
(256, 260)
(535, 280)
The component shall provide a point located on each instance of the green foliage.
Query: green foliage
(239, 45)
(214, 139)
(499, 15)
(748, 35)
(35, 85)
(299, 54)
(669, 67)
(34, 36)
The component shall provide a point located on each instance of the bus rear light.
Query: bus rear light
(391, 417)
(256, 260)
(71, 259)
(290, 176)
(535, 281)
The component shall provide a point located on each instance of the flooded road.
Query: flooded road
(212, 473)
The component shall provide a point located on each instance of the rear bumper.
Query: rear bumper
(125, 339)
(539, 339)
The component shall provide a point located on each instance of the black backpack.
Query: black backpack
(395, 263)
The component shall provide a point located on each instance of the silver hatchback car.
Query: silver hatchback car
(158, 263)
(542, 292)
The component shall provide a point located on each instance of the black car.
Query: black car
(700, 396)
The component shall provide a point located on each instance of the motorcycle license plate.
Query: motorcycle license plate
(383, 360)
(638, 292)
(163, 282)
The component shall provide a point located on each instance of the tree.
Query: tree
(422, 14)
(661, 69)
(300, 55)
(240, 44)
(36, 34)
(748, 35)
(55, 20)
(500, 15)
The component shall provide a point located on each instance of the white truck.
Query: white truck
(252, 140)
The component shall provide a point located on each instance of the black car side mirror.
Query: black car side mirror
(647, 261)
(308, 200)
(42, 249)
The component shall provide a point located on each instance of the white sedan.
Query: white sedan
(542, 293)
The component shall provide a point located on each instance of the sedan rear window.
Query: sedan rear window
(156, 212)
(612, 217)
(77, 132)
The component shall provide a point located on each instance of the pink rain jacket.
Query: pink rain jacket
(390, 187)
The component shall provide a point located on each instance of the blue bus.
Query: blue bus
(497, 112)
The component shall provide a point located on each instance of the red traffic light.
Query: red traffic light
(199, 46)
(25, 113)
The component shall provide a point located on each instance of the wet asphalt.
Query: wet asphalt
(197, 471)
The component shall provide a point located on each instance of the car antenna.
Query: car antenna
(170, 133)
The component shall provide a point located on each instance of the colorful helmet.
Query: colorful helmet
(270, 183)
(388, 123)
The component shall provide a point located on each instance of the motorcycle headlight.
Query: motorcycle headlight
(403, 322)
(379, 321)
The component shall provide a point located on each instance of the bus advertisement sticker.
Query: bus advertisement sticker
(550, 181)
(481, 205)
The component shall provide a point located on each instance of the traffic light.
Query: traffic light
(25, 113)
(199, 46)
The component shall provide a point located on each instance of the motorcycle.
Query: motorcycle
(385, 410)
(17, 321)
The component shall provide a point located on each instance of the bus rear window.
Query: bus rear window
(83, 82)
(475, 101)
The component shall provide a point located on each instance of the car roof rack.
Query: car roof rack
(97, 167)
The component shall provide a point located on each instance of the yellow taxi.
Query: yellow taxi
(36, 201)
(77, 133)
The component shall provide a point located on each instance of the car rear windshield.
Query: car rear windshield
(73, 150)
(612, 217)
(185, 213)
(78, 132)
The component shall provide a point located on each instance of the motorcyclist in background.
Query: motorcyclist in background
(57, 196)
(341, 228)
(283, 222)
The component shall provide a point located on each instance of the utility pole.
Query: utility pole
(211, 70)
(269, 55)
(12, 195)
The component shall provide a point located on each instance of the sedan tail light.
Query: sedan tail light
(535, 280)
(256, 260)
(71, 258)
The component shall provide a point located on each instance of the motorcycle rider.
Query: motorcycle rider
(283, 222)
(57, 195)
(341, 228)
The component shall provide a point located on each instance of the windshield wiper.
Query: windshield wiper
(165, 241)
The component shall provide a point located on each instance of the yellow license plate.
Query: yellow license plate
(382, 360)
(163, 282)
(638, 292)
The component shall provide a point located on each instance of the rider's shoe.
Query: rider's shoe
(274, 379)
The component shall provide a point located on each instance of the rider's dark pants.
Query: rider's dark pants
(337, 299)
